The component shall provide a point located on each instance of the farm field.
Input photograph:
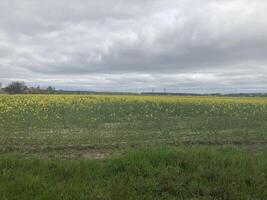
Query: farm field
(132, 147)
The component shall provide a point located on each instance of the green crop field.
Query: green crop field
(132, 147)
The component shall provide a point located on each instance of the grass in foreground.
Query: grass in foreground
(150, 173)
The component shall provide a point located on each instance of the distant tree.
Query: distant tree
(50, 90)
(16, 87)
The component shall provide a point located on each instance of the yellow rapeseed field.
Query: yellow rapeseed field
(126, 118)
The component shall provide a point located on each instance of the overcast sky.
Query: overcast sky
(129, 45)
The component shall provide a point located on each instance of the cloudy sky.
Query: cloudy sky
(135, 45)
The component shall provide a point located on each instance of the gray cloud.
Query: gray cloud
(135, 44)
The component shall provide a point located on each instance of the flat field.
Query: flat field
(132, 147)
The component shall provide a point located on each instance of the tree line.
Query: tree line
(19, 87)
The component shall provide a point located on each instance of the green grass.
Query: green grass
(149, 173)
